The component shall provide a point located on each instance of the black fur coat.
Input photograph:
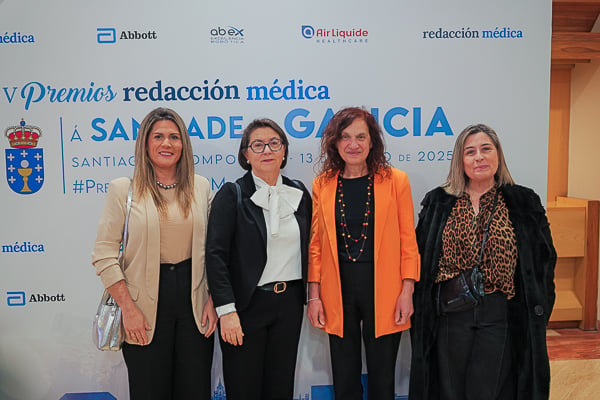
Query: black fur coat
(529, 310)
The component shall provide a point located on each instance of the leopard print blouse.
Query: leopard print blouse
(461, 243)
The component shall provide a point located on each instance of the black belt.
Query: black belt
(181, 264)
(279, 287)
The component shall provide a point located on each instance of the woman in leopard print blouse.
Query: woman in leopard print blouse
(497, 349)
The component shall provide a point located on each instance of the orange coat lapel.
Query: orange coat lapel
(328, 205)
(383, 196)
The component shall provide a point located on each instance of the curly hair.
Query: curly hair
(330, 160)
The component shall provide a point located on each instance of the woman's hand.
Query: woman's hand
(316, 314)
(404, 302)
(135, 325)
(315, 311)
(134, 322)
(231, 329)
(209, 317)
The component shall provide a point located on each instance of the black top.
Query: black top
(355, 198)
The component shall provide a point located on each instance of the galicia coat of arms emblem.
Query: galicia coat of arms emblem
(24, 162)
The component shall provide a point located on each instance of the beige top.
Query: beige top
(175, 231)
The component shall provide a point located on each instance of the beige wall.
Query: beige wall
(584, 146)
(584, 136)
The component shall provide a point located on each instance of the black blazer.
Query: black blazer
(236, 242)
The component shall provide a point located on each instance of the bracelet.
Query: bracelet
(314, 298)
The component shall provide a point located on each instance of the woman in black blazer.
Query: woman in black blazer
(256, 263)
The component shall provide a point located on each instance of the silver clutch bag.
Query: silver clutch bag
(108, 325)
(108, 332)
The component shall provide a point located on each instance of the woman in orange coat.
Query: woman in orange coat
(363, 254)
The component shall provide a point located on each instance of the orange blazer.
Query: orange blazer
(396, 252)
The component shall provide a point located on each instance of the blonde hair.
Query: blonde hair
(457, 179)
(144, 179)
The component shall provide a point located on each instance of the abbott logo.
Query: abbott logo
(106, 35)
(14, 299)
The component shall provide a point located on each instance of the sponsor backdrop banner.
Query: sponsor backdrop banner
(77, 78)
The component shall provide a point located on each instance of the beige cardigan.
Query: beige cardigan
(143, 247)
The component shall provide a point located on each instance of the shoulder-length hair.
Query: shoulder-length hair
(245, 142)
(329, 158)
(144, 177)
(457, 178)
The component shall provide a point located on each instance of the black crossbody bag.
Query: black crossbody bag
(466, 290)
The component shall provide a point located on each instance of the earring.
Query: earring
(283, 158)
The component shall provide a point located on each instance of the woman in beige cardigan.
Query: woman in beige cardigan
(168, 314)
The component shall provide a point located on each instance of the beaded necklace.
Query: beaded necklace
(166, 187)
(345, 231)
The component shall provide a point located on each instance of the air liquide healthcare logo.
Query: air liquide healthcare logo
(335, 35)
(24, 163)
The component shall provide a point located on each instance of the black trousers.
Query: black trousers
(176, 365)
(474, 354)
(358, 300)
(264, 366)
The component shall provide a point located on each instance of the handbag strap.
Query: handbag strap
(486, 228)
(126, 225)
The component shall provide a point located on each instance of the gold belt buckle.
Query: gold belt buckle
(280, 287)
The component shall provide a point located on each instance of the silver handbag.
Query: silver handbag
(108, 325)
(108, 332)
